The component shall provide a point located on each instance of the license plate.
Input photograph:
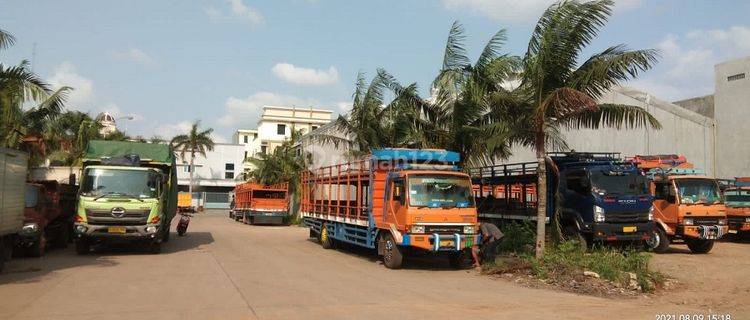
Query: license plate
(116, 230)
(447, 243)
(629, 229)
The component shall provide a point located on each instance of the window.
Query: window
(186, 168)
(244, 138)
(738, 76)
(280, 129)
(255, 136)
(661, 191)
(228, 175)
(314, 127)
(263, 149)
(398, 191)
(229, 167)
(245, 155)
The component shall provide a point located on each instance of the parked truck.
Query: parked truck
(13, 167)
(398, 201)
(688, 205)
(737, 200)
(599, 197)
(256, 203)
(48, 216)
(185, 202)
(128, 193)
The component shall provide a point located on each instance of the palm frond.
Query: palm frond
(616, 116)
(6, 39)
(610, 67)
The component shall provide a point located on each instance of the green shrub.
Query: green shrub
(518, 238)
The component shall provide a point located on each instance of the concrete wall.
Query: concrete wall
(732, 99)
(60, 174)
(210, 170)
(684, 132)
(703, 105)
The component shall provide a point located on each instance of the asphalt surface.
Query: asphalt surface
(226, 270)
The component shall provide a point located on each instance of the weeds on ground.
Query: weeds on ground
(568, 260)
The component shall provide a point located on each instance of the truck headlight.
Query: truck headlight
(688, 221)
(651, 213)
(417, 229)
(722, 222)
(747, 219)
(150, 229)
(598, 214)
(468, 229)
(81, 229)
(30, 228)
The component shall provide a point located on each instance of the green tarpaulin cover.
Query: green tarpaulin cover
(147, 151)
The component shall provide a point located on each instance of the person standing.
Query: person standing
(487, 249)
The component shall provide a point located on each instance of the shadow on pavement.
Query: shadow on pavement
(26, 270)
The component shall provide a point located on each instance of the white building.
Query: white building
(214, 176)
(276, 125)
(107, 122)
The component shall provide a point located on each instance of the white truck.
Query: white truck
(13, 168)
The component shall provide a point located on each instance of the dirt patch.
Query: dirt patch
(518, 270)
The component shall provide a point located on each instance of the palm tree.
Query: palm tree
(193, 142)
(556, 93)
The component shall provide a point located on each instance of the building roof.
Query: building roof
(297, 108)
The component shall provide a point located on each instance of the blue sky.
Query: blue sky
(168, 63)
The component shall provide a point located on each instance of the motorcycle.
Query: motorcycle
(183, 224)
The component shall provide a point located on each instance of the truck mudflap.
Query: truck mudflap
(704, 232)
(438, 242)
(622, 231)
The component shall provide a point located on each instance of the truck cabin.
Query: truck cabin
(687, 190)
(122, 177)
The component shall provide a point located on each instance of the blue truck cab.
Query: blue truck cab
(598, 196)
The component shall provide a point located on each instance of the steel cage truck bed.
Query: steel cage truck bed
(599, 197)
(128, 193)
(397, 201)
(258, 203)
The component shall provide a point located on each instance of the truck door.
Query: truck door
(395, 202)
(665, 202)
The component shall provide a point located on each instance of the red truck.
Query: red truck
(48, 216)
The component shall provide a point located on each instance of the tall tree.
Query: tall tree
(556, 93)
(193, 142)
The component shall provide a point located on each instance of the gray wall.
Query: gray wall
(732, 112)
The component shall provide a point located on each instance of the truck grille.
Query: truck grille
(706, 221)
(444, 229)
(128, 218)
(736, 219)
(626, 217)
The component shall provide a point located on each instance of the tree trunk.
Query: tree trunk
(541, 212)
(190, 186)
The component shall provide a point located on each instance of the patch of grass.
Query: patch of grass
(518, 238)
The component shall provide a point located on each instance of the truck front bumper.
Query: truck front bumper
(440, 242)
(738, 223)
(710, 232)
(622, 231)
(146, 232)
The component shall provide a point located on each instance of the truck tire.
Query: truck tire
(165, 233)
(700, 246)
(325, 239)
(63, 238)
(37, 249)
(181, 231)
(392, 256)
(5, 252)
(659, 241)
(154, 248)
(572, 234)
(461, 259)
(82, 246)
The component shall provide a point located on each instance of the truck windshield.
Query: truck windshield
(617, 183)
(698, 191)
(98, 182)
(737, 198)
(440, 191)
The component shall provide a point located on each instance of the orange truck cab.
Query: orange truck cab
(737, 198)
(688, 205)
(398, 201)
(256, 203)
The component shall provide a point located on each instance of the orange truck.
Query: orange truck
(688, 206)
(397, 201)
(737, 199)
(185, 202)
(257, 203)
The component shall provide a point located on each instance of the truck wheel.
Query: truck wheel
(572, 234)
(460, 260)
(325, 239)
(699, 246)
(181, 231)
(659, 241)
(313, 234)
(5, 253)
(82, 246)
(392, 256)
(37, 249)
(165, 233)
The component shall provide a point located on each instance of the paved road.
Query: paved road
(226, 270)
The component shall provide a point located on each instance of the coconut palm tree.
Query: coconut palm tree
(556, 92)
(193, 142)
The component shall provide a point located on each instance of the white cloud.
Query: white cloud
(134, 55)
(246, 111)
(169, 130)
(686, 67)
(305, 76)
(83, 88)
(517, 10)
(344, 107)
(237, 11)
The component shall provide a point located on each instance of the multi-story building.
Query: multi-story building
(276, 124)
(214, 175)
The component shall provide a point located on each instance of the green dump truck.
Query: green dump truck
(128, 193)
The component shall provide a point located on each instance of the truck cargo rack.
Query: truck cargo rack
(327, 192)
